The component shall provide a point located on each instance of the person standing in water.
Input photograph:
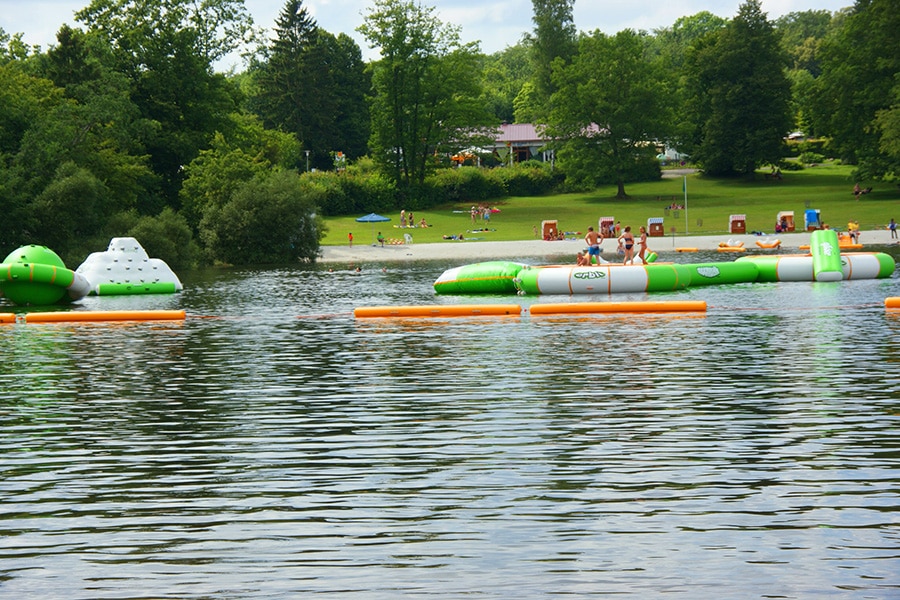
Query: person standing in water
(593, 239)
(642, 245)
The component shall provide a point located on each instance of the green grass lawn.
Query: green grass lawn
(710, 202)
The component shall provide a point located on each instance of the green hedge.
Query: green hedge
(364, 190)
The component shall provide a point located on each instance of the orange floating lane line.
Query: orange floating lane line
(7, 318)
(105, 315)
(618, 307)
(448, 310)
(892, 302)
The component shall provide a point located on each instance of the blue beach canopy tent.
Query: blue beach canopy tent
(373, 218)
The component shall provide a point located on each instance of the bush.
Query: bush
(465, 184)
(818, 146)
(267, 221)
(811, 158)
(330, 194)
(530, 178)
(167, 236)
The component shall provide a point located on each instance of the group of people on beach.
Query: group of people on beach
(626, 242)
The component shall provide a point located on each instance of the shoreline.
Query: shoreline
(477, 251)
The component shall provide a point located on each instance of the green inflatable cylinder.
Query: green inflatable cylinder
(826, 254)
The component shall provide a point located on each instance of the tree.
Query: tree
(351, 106)
(738, 96)
(426, 89)
(248, 152)
(268, 220)
(313, 85)
(611, 109)
(673, 43)
(503, 75)
(554, 39)
(166, 49)
(858, 89)
(801, 35)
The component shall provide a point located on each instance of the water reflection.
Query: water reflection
(273, 446)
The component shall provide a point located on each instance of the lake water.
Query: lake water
(272, 446)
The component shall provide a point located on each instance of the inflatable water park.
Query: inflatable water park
(825, 262)
(36, 276)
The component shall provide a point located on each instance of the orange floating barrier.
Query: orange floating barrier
(618, 307)
(893, 302)
(7, 318)
(447, 310)
(687, 249)
(105, 315)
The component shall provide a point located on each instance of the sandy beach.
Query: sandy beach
(545, 252)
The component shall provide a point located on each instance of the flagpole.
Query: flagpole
(685, 206)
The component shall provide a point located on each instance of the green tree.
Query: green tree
(69, 214)
(554, 38)
(858, 88)
(611, 109)
(268, 220)
(248, 152)
(673, 43)
(503, 75)
(352, 82)
(166, 49)
(166, 236)
(738, 96)
(427, 91)
(313, 84)
(801, 35)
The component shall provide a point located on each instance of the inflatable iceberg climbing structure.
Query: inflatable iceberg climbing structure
(125, 268)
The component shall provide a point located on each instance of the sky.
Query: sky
(496, 24)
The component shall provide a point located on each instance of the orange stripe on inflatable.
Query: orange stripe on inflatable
(893, 302)
(7, 318)
(105, 315)
(447, 310)
(617, 307)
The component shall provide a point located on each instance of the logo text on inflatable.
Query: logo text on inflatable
(589, 274)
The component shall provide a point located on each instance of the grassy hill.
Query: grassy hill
(710, 202)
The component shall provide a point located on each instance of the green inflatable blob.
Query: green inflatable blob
(35, 275)
(491, 277)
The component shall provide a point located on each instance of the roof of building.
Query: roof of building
(519, 133)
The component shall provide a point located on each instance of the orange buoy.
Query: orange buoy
(7, 318)
(687, 250)
(444, 310)
(893, 302)
(617, 307)
(105, 315)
